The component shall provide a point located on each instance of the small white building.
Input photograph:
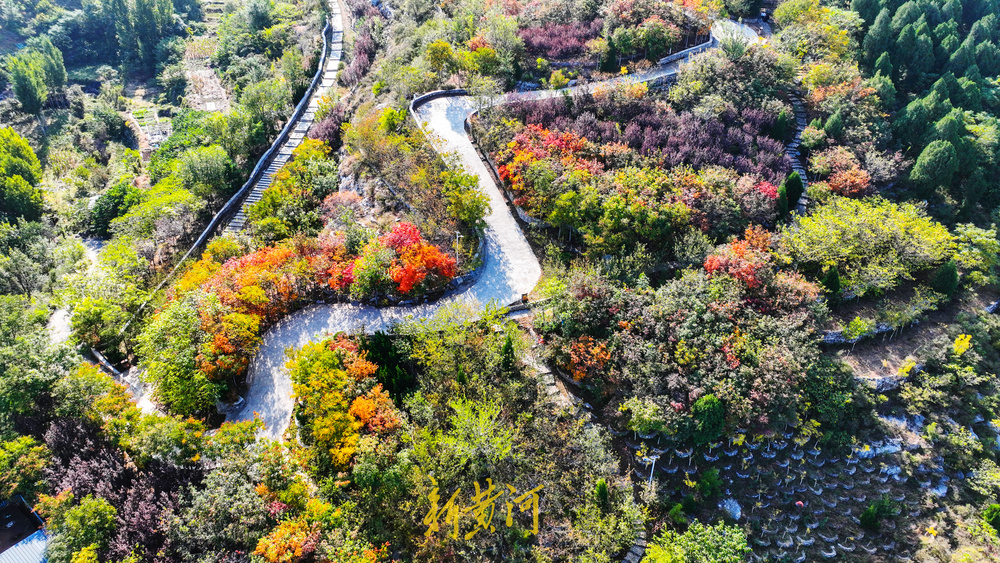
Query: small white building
(22, 534)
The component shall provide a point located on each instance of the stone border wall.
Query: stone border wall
(699, 48)
(233, 205)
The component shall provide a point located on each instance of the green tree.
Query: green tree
(700, 544)
(946, 278)
(113, 203)
(76, 392)
(22, 462)
(877, 40)
(883, 65)
(479, 434)
(936, 165)
(709, 419)
(206, 171)
(658, 37)
(867, 9)
(834, 126)
(89, 523)
(466, 200)
(507, 358)
(963, 58)
(885, 89)
(52, 63)
(858, 327)
(163, 213)
(139, 27)
(601, 494)
(18, 198)
(267, 104)
(922, 58)
(783, 207)
(27, 76)
(29, 362)
(793, 189)
(557, 80)
(709, 485)
(992, 516)
(26, 256)
(168, 348)
(904, 46)
(501, 32)
(742, 7)
(205, 529)
(906, 14)
(17, 157)
(440, 56)
(874, 243)
(977, 253)
(295, 72)
(872, 517)
(985, 480)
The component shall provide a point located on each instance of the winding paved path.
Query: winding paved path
(511, 268)
(60, 324)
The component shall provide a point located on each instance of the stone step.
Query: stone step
(335, 45)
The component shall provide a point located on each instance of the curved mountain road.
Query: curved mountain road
(510, 269)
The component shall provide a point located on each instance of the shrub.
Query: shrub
(935, 166)
(834, 126)
(602, 496)
(874, 243)
(701, 543)
(853, 182)
(709, 485)
(557, 41)
(992, 516)
(831, 281)
(557, 80)
(793, 189)
(783, 207)
(783, 125)
(946, 278)
(676, 515)
(872, 517)
(812, 137)
(709, 418)
(858, 327)
(20, 172)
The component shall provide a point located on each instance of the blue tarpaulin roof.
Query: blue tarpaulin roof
(29, 550)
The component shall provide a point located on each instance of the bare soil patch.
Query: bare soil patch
(884, 355)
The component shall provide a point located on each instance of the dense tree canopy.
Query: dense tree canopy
(20, 173)
(874, 244)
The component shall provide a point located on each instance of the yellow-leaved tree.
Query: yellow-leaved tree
(321, 374)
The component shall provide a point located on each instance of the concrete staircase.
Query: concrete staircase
(792, 149)
(298, 133)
